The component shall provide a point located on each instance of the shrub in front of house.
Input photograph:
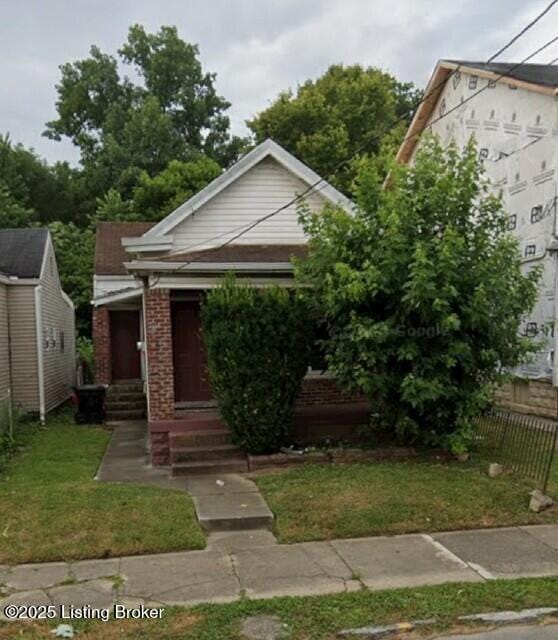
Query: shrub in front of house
(258, 343)
(423, 292)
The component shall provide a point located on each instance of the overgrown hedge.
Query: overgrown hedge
(258, 344)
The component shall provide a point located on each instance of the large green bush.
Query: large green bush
(423, 294)
(258, 344)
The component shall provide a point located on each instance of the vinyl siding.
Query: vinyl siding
(23, 346)
(57, 316)
(264, 188)
(4, 343)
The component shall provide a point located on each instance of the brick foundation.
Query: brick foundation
(101, 345)
(320, 390)
(160, 373)
(536, 397)
(160, 449)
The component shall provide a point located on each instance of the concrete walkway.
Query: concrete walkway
(251, 564)
(223, 502)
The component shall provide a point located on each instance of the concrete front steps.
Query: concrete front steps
(125, 401)
(201, 445)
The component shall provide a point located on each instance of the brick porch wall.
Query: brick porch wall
(101, 345)
(160, 370)
(317, 390)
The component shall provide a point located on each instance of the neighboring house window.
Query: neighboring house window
(45, 339)
(536, 213)
(456, 79)
(473, 81)
(54, 333)
(531, 329)
(530, 250)
(62, 342)
(443, 107)
(512, 222)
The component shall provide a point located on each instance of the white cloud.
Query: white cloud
(256, 48)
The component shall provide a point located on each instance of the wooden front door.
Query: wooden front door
(124, 338)
(191, 379)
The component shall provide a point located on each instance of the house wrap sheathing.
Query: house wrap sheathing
(515, 124)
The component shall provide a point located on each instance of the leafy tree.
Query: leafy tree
(113, 208)
(123, 128)
(48, 190)
(74, 248)
(422, 293)
(327, 120)
(258, 344)
(12, 213)
(158, 196)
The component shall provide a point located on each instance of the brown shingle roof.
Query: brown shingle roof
(243, 253)
(109, 252)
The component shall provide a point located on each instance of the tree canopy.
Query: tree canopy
(124, 128)
(422, 294)
(326, 121)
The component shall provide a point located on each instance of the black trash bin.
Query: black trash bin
(90, 404)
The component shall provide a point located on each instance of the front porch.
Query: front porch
(158, 338)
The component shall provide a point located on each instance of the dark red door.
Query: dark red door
(124, 338)
(191, 380)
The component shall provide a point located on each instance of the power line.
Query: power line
(242, 230)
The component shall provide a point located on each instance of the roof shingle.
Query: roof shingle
(544, 74)
(110, 255)
(22, 251)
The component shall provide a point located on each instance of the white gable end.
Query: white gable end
(264, 188)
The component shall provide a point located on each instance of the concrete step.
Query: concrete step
(126, 396)
(126, 405)
(233, 512)
(194, 454)
(201, 438)
(125, 414)
(196, 420)
(128, 387)
(204, 467)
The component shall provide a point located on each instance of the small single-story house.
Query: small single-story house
(37, 325)
(149, 280)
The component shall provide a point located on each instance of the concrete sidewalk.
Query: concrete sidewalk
(251, 564)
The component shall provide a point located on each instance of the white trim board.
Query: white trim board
(269, 148)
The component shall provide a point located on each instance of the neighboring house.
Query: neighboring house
(149, 280)
(515, 123)
(37, 328)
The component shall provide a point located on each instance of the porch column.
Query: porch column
(101, 345)
(160, 371)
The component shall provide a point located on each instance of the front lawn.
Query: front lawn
(321, 502)
(315, 618)
(51, 508)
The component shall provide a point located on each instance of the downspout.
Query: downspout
(145, 282)
(40, 360)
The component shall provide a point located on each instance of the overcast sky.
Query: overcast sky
(257, 48)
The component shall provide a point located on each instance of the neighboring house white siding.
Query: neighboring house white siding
(58, 336)
(23, 346)
(4, 343)
(516, 131)
(261, 190)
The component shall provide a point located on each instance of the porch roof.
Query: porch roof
(250, 253)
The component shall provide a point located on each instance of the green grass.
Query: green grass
(319, 502)
(316, 618)
(51, 508)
